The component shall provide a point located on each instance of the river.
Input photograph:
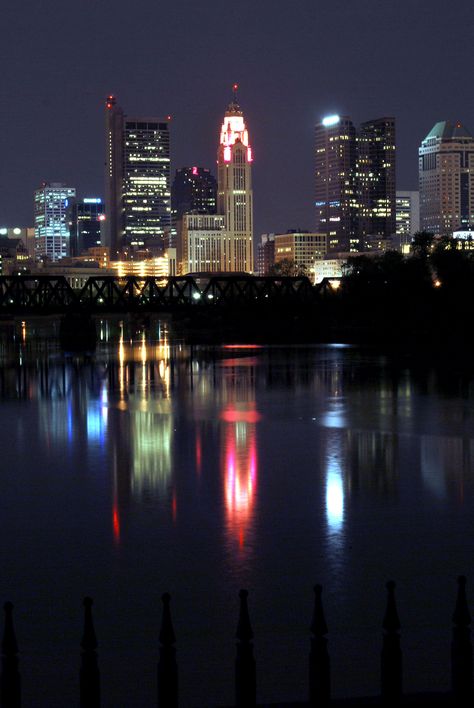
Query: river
(154, 466)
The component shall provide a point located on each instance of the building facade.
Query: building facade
(265, 254)
(446, 179)
(51, 202)
(301, 247)
(85, 219)
(407, 218)
(375, 178)
(138, 194)
(234, 197)
(354, 181)
(335, 198)
(205, 247)
(194, 190)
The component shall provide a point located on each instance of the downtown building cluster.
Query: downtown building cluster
(149, 225)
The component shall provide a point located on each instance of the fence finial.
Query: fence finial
(391, 656)
(167, 666)
(245, 671)
(167, 635)
(319, 662)
(244, 629)
(10, 683)
(461, 647)
(89, 675)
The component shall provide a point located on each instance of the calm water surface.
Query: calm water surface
(157, 467)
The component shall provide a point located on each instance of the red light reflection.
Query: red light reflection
(240, 469)
(198, 453)
(234, 415)
(174, 507)
(116, 523)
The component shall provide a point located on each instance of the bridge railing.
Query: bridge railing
(245, 669)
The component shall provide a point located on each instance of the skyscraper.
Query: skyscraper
(375, 178)
(194, 189)
(85, 218)
(138, 194)
(446, 177)
(223, 242)
(51, 223)
(354, 181)
(234, 180)
(335, 199)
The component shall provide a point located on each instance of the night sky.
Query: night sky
(295, 62)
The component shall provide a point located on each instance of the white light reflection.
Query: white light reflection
(334, 488)
(334, 500)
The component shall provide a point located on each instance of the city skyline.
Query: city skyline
(381, 61)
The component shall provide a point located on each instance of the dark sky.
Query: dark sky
(295, 61)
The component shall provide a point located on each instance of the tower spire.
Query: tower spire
(235, 88)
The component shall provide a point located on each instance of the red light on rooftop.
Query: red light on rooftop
(168, 117)
(235, 87)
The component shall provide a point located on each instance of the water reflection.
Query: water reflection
(240, 469)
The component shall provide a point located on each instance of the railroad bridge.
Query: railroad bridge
(46, 294)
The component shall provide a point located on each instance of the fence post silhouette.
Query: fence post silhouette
(461, 647)
(10, 684)
(391, 656)
(89, 677)
(245, 672)
(319, 662)
(167, 666)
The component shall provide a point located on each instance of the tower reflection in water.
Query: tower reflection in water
(240, 468)
(239, 460)
(142, 437)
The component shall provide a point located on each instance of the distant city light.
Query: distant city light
(330, 120)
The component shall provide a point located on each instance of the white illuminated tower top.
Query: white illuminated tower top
(234, 160)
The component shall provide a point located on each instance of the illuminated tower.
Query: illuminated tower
(51, 223)
(138, 193)
(234, 184)
(355, 181)
(335, 201)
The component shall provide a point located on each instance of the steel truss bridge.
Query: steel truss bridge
(45, 294)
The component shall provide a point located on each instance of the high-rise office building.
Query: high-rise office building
(446, 178)
(335, 199)
(354, 181)
(407, 218)
(51, 223)
(229, 232)
(194, 189)
(86, 219)
(138, 195)
(375, 178)
(204, 246)
(234, 180)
